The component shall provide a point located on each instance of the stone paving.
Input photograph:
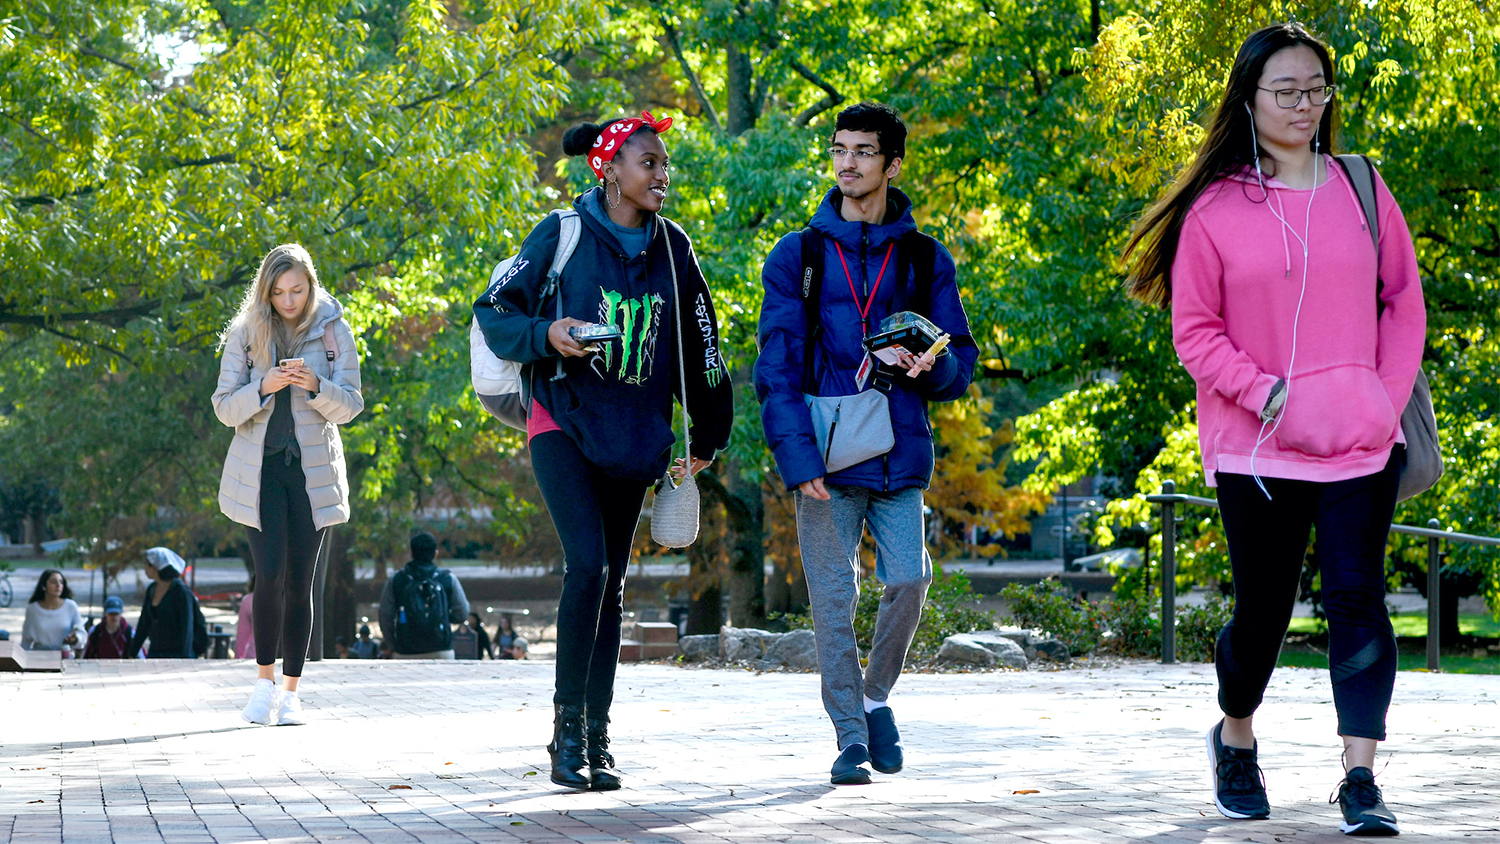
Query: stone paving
(137, 752)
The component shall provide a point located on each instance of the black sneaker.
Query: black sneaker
(886, 755)
(1364, 812)
(849, 768)
(1239, 786)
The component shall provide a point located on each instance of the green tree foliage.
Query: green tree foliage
(152, 152)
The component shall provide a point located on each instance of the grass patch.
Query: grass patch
(1304, 658)
(1481, 626)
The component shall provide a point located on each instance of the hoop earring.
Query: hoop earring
(619, 195)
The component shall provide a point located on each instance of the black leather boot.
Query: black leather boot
(570, 767)
(601, 764)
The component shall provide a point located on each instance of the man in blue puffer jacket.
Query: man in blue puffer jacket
(862, 223)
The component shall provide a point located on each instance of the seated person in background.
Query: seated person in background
(420, 605)
(341, 648)
(365, 647)
(505, 634)
(53, 622)
(166, 609)
(386, 651)
(110, 638)
(517, 649)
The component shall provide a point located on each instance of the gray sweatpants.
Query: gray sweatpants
(829, 534)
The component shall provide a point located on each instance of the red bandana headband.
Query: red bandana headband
(611, 139)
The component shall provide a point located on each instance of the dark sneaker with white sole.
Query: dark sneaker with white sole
(1239, 786)
(849, 768)
(1364, 810)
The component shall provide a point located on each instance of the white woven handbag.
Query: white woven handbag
(674, 509)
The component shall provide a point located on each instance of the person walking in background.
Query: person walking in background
(244, 634)
(1304, 339)
(288, 378)
(421, 603)
(166, 609)
(876, 263)
(110, 638)
(53, 621)
(602, 434)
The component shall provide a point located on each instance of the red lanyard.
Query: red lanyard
(864, 312)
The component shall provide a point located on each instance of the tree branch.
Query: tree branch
(687, 69)
(832, 99)
(114, 317)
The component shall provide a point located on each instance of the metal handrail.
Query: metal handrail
(1169, 498)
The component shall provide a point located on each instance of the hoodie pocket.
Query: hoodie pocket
(1336, 411)
(626, 441)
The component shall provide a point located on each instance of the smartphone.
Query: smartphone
(588, 337)
(291, 363)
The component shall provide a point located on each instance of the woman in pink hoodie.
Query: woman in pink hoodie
(1303, 364)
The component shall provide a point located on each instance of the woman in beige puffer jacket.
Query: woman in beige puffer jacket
(288, 378)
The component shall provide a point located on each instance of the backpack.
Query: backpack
(422, 624)
(912, 245)
(498, 382)
(200, 627)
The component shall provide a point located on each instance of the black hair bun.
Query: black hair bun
(580, 139)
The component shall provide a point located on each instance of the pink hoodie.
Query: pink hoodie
(1235, 285)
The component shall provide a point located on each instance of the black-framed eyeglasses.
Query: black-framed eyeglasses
(1290, 97)
(836, 153)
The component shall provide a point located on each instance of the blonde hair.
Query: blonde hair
(265, 331)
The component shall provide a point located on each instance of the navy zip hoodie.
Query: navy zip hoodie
(616, 404)
(783, 337)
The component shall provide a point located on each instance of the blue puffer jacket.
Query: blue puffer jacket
(783, 333)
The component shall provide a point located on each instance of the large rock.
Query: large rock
(799, 649)
(698, 648)
(745, 643)
(1054, 650)
(1002, 649)
(960, 649)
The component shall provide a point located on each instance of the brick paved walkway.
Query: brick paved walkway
(432, 752)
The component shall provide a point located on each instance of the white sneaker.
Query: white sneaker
(258, 710)
(288, 708)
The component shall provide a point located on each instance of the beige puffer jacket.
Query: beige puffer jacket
(238, 404)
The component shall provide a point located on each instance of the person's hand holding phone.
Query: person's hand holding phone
(559, 338)
(277, 378)
(300, 374)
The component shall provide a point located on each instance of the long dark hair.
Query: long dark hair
(1226, 148)
(41, 586)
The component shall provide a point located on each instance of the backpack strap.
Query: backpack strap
(1361, 174)
(330, 342)
(917, 251)
(569, 230)
(812, 291)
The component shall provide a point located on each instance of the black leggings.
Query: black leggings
(595, 516)
(1267, 540)
(285, 551)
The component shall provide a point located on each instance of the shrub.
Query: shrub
(1051, 607)
(949, 609)
(1198, 627)
(1134, 630)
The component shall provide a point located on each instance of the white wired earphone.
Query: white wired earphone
(1303, 239)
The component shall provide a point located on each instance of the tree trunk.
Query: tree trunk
(745, 538)
(337, 608)
(705, 581)
(740, 85)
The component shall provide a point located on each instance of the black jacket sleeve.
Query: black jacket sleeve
(505, 309)
(143, 627)
(710, 398)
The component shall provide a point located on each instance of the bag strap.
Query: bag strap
(568, 233)
(1361, 174)
(812, 291)
(687, 440)
(330, 343)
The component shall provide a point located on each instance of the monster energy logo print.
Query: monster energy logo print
(639, 320)
(711, 369)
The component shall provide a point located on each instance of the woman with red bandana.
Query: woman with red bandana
(601, 433)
